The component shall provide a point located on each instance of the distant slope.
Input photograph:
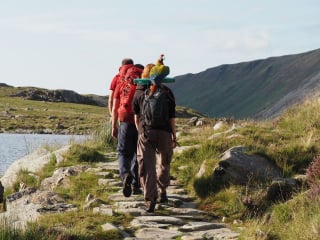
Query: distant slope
(58, 95)
(256, 89)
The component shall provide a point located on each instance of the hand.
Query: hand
(114, 132)
(174, 144)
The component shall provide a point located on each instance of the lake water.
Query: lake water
(16, 146)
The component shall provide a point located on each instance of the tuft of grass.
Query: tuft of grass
(26, 177)
(80, 186)
(84, 153)
(82, 225)
(296, 219)
(226, 202)
(71, 225)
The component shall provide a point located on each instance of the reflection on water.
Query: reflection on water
(16, 146)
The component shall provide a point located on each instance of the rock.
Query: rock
(93, 203)
(157, 233)
(45, 95)
(33, 162)
(89, 197)
(237, 167)
(181, 149)
(200, 226)
(192, 121)
(108, 227)
(218, 125)
(155, 221)
(199, 123)
(29, 204)
(217, 234)
(202, 169)
(104, 210)
(61, 177)
(282, 189)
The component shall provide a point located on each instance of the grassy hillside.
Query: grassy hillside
(245, 89)
(19, 115)
(291, 141)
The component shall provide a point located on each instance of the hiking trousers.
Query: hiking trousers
(154, 157)
(127, 152)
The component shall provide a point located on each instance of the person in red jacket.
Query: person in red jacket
(126, 133)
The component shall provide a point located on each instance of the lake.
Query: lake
(16, 146)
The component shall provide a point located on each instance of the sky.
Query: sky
(79, 44)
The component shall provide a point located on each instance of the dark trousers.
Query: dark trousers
(127, 151)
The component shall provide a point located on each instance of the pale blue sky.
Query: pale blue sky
(79, 44)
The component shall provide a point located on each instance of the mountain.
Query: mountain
(257, 89)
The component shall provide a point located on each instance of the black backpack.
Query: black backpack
(155, 108)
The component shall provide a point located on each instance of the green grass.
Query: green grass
(290, 141)
(80, 225)
(37, 116)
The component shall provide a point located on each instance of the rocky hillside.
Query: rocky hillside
(256, 89)
(58, 95)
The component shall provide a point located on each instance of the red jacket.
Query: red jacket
(124, 92)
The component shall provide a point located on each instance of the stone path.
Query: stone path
(177, 219)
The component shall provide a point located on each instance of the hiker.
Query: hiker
(126, 63)
(126, 134)
(155, 139)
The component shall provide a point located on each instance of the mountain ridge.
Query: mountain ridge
(256, 89)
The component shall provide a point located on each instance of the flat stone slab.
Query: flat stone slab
(118, 197)
(157, 233)
(216, 234)
(188, 211)
(109, 182)
(108, 227)
(200, 226)
(129, 204)
(184, 197)
(104, 210)
(176, 191)
(132, 211)
(145, 220)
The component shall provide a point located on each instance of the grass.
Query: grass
(39, 117)
(71, 225)
(291, 141)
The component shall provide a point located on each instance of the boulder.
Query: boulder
(33, 163)
(29, 204)
(237, 167)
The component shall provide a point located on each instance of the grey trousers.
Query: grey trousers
(154, 155)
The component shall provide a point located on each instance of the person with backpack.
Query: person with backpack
(157, 135)
(126, 133)
(126, 63)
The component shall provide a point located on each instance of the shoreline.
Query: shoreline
(32, 162)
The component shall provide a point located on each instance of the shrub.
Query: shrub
(313, 177)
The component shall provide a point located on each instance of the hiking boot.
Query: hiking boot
(150, 206)
(163, 197)
(136, 191)
(127, 185)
